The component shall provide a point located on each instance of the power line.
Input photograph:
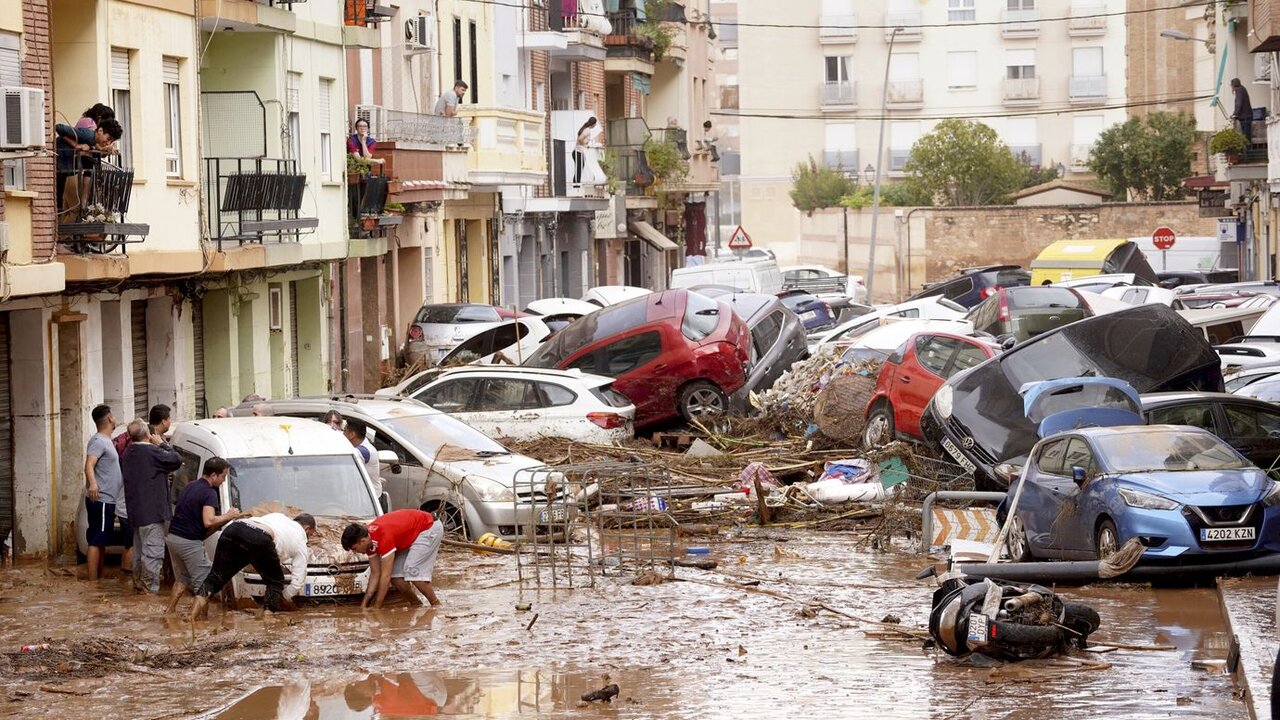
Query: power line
(957, 25)
(1031, 112)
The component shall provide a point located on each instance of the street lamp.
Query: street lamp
(1179, 35)
(875, 197)
(869, 172)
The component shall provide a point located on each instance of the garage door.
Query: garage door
(6, 434)
(197, 342)
(138, 331)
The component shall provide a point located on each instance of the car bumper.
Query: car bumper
(509, 521)
(947, 440)
(425, 354)
(320, 583)
(1169, 535)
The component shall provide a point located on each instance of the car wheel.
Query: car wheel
(701, 398)
(455, 524)
(1107, 540)
(879, 430)
(1019, 547)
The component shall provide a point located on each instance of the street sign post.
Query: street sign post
(1163, 238)
(740, 240)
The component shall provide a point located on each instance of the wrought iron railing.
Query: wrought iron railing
(401, 126)
(366, 204)
(250, 199)
(93, 202)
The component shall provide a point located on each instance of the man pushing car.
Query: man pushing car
(402, 547)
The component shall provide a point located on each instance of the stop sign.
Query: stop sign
(1163, 238)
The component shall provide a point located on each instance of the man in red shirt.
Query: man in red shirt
(402, 547)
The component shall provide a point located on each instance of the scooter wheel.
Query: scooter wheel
(1082, 619)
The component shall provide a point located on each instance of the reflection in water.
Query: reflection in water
(413, 695)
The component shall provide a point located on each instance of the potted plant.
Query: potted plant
(368, 222)
(1229, 142)
(393, 208)
(357, 168)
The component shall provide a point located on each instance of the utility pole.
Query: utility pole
(875, 198)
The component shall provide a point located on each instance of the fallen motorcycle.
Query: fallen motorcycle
(1007, 621)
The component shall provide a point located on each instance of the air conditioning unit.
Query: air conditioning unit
(419, 34)
(21, 118)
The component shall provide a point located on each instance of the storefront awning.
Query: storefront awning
(651, 235)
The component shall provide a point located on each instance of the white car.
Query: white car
(440, 327)
(811, 278)
(934, 307)
(1144, 295)
(1247, 354)
(1098, 283)
(557, 313)
(881, 342)
(525, 403)
(508, 343)
(607, 295)
(1239, 381)
(1100, 304)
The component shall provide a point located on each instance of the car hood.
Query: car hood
(1203, 487)
(501, 468)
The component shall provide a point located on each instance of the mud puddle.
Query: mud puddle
(743, 640)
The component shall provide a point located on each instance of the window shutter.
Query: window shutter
(120, 69)
(292, 101)
(322, 112)
(171, 71)
(10, 61)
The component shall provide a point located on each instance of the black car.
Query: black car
(777, 339)
(1179, 278)
(1250, 426)
(977, 416)
(973, 285)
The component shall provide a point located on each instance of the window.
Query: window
(556, 395)
(173, 119)
(962, 70)
(1086, 62)
(1051, 457)
(1078, 456)
(457, 50)
(120, 102)
(1251, 422)
(961, 11)
(765, 334)
(1020, 64)
(630, 353)
(473, 92)
(968, 356)
(293, 105)
(504, 394)
(838, 69)
(1197, 415)
(15, 171)
(933, 353)
(450, 396)
(324, 118)
(189, 471)
(476, 313)
(381, 442)
(1022, 4)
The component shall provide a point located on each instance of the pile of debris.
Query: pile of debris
(824, 393)
(96, 657)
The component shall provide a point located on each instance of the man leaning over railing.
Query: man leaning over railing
(75, 143)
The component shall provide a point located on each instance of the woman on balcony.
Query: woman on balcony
(586, 139)
(361, 144)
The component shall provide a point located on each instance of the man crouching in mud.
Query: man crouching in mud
(264, 542)
(402, 546)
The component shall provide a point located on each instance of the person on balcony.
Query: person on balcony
(88, 143)
(447, 105)
(1243, 114)
(587, 135)
(361, 144)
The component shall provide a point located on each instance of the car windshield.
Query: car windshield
(1043, 297)
(430, 433)
(1170, 450)
(318, 484)
(450, 314)
(588, 329)
(1011, 278)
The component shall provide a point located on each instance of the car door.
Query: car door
(1255, 432)
(918, 378)
(1073, 528)
(642, 372)
(450, 395)
(406, 481)
(1042, 498)
(506, 407)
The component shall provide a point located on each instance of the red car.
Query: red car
(911, 376)
(675, 353)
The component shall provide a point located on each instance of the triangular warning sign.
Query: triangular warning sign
(740, 240)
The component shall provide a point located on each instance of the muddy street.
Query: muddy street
(749, 637)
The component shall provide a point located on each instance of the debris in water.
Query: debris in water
(604, 694)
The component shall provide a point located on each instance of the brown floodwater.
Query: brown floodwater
(703, 649)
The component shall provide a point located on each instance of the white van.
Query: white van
(287, 465)
(753, 276)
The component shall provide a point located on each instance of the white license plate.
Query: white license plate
(1220, 534)
(809, 315)
(954, 452)
(553, 515)
(977, 629)
(320, 589)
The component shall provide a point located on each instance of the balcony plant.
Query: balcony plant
(609, 163)
(1229, 142)
(668, 165)
(393, 208)
(357, 168)
(660, 34)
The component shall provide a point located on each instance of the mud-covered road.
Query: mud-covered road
(705, 648)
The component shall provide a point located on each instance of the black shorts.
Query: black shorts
(103, 530)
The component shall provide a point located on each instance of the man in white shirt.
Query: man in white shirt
(268, 543)
(357, 433)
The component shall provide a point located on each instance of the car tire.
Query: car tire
(879, 429)
(1082, 620)
(701, 398)
(1018, 545)
(1106, 540)
(455, 522)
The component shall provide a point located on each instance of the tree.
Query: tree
(817, 186)
(964, 163)
(898, 194)
(1146, 157)
(1037, 175)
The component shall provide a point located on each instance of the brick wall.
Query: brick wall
(37, 71)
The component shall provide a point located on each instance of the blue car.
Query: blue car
(1184, 493)
(814, 312)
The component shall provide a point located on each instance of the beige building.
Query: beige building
(1047, 75)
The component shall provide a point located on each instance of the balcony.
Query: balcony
(508, 146)
(96, 201)
(1251, 165)
(360, 21)
(627, 50)
(906, 93)
(898, 160)
(272, 16)
(844, 160)
(424, 156)
(576, 32)
(1021, 23)
(1080, 156)
(626, 138)
(367, 196)
(1027, 154)
(838, 29)
(1087, 89)
(910, 23)
(414, 128)
(248, 200)
(566, 182)
(1264, 21)
(1085, 20)
(1021, 91)
(703, 174)
(838, 95)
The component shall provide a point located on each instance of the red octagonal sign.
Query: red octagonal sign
(1163, 238)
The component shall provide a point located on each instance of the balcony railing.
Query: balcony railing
(1021, 23)
(626, 141)
(1087, 88)
(680, 138)
(366, 204)
(388, 125)
(1028, 154)
(1021, 90)
(838, 29)
(1087, 19)
(94, 204)
(909, 22)
(250, 199)
(364, 13)
(846, 160)
(839, 94)
(583, 15)
(1080, 155)
(906, 92)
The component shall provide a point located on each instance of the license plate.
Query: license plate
(977, 629)
(954, 452)
(1220, 534)
(324, 589)
(553, 515)
(809, 315)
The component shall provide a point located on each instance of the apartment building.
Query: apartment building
(1047, 75)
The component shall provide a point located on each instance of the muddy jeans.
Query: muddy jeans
(148, 556)
(239, 546)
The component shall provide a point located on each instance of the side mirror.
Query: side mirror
(388, 457)
(385, 501)
(1079, 475)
